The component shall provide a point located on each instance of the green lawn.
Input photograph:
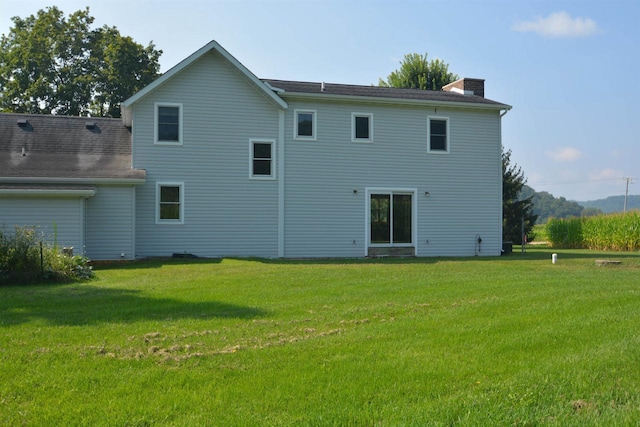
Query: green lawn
(477, 341)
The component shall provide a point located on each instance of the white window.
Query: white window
(305, 125)
(438, 135)
(169, 203)
(361, 127)
(262, 159)
(168, 124)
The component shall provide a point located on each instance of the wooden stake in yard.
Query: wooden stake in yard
(41, 262)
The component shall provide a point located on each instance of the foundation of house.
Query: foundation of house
(376, 252)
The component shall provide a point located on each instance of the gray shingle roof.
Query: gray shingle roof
(43, 146)
(377, 92)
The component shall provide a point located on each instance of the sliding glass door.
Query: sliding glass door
(391, 218)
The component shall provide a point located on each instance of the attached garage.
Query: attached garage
(71, 177)
(56, 213)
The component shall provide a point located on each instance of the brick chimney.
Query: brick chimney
(466, 86)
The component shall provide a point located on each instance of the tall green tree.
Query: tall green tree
(417, 72)
(517, 210)
(52, 64)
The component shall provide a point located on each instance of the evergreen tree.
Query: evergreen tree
(516, 209)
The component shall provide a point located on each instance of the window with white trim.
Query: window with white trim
(305, 125)
(169, 203)
(361, 127)
(168, 124)
(438, 134)
(262, 158)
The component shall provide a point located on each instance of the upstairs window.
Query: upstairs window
(361, 127)
(262, 159)
(170, 203)
(438, 134)
(168, 124)
(305, 125)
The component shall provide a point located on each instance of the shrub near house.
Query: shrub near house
(25, 259)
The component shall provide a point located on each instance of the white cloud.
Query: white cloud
(564, 154)
(605, 174)
(559, 24)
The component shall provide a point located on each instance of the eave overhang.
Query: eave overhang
(47, 192)
(393, 101)
(78, 181)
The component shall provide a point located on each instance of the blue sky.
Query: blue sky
(570, 69)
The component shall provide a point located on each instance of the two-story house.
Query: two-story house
(212, 161)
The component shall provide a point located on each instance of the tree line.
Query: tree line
(546, 206)
(52, 64)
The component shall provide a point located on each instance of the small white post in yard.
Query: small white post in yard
(554, 258)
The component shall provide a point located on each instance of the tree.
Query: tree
(417, 72)
(124, 67)
(516, 209)
(50, 64)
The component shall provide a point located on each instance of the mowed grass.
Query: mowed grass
(514, 340)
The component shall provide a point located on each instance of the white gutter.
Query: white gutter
(394, 101)
(53, 180)
(39, 192)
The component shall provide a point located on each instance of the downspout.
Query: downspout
(506, 110)
(281, 187)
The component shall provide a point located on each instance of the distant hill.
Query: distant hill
(613, 203)
(546, 205)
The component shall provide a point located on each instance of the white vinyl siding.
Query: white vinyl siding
(60, 220)
(225, 212)
(325, 193)
(110, 225)
(326, 200)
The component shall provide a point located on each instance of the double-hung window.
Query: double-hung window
(168, 124)
(305, 125)
(438, 134)
(361, 127)
(262, 159)
(170, 203)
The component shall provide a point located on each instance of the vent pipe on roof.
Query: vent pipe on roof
(24, 153)
(322, 88)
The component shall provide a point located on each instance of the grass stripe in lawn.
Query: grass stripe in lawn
(479, 341)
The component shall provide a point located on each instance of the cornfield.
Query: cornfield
(613, 232)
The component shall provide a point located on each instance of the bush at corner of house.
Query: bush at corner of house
(21, 259)
(60, 267)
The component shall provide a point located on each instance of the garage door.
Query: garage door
(61, 220)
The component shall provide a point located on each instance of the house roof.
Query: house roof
(211, 46)
(61, 149)
(316, 90)
(278, 90)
